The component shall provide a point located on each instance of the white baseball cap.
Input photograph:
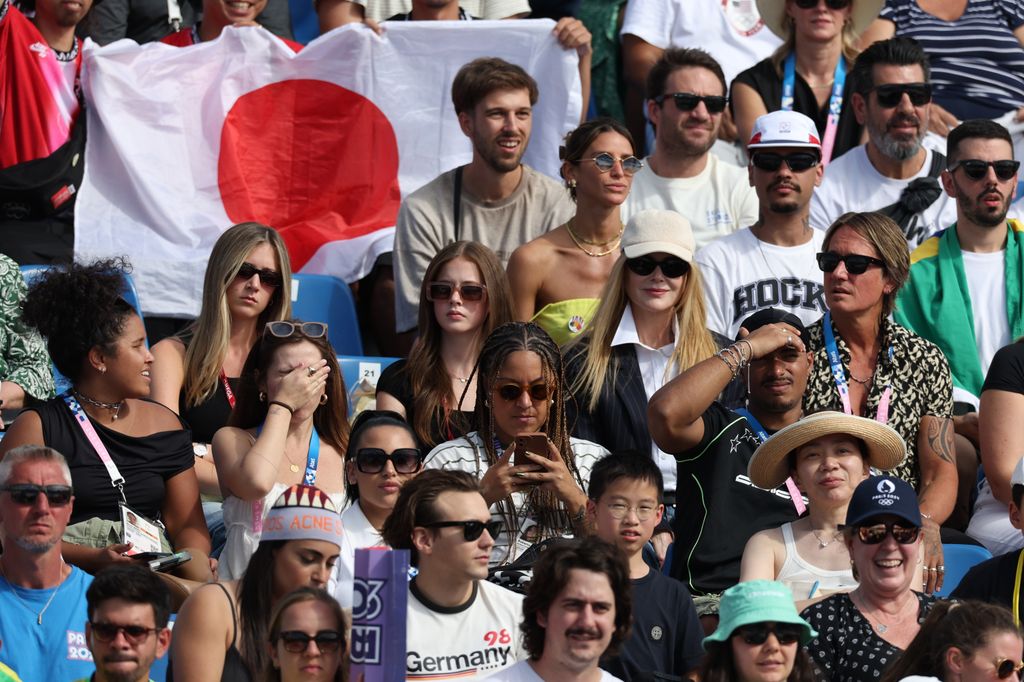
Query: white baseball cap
(784, 129)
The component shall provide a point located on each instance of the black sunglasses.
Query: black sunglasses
(511, 392)
(757, 633)
(891, 95)
(296, 641)
(106, 632)
(373, 460)
(798, 162)
(471, 530)
(605, 162)
(876, 533)
(270, 278)
(671, 267)
(282, 329)
(855, 263)
(687, 101)
(976, 169)
(26, 493)
(1006, 667)
(442, 291)
(831, 4)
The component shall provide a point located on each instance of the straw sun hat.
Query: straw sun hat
(773, 13)
(770, 464)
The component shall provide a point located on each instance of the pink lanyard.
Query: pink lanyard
(82, 418)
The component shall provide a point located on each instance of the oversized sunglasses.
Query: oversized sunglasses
(471, 530)
(877, 532)
(605, 162)
(831, 4)
(688, 101)
(297, 641)
(798, 162)
(26, 493)
(511, 392)
(442, 291)
(373, 460)
(1006, 667)
(282, 329)
(891, 95)
(855, 263)
(671, 267)
(106, 632)
(976, 169)
(757, 633)
(268, 277)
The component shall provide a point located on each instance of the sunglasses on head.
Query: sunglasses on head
(26, 493)
(511, 392)
(106, 632)
(297, 641)
(976, 169)
(268, 277)
(891, 95)
(1006, 667)
(855, 263)
(687, 101)
(757, 633)
(373, 460)
(876, 533)
(671, 267)
(442, 291)
(798, 162)
(605, 162)
(471, 530)
(283, 330)
(831, 4)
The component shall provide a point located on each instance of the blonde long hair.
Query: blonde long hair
(788, 46)
(211, 331)
(694, 342)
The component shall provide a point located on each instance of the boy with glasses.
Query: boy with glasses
(624, 508)
(42, 599)
(129, 607)
(459, 624)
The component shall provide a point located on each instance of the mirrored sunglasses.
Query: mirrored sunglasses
(471, 530)
(107, 632)
(757, 633)
(671, 267)
(327, 641)
(443, 291)
(856, 264)
(876, 533)
(26, 493)
(798, 162)
(282, 329)
(891, 95)
(511, 392)
(268, 277)
(688, 101)
(373, 460)
(976, 169)
(605, 162)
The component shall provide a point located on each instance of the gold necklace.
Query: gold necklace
(576, 240)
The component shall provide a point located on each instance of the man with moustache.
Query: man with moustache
(892, 173)
(718, 508)
(496, 200)
(965, 289)
(686, 98)
(771, 264)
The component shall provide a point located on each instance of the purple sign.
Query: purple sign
(379, 612)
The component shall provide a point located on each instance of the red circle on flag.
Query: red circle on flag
(312, 159)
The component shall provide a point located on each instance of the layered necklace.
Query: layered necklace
(114, 407)
(580, 241)
(14, 591)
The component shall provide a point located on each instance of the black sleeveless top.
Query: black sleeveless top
(211, 414)
(235, 669)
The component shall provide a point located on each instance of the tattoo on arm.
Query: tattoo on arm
(940, 438)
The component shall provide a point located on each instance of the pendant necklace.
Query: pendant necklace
(39, 615)
(115, 407)
(822, 544)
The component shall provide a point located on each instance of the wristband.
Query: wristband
(284, 405)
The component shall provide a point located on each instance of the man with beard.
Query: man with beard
(127, 629)
(496, 200)
(42, 599)
(892, 173)
(718, 507)
(771, 264)
(686, 98)
(964, 293)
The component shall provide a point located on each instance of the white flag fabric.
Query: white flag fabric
(322, 144)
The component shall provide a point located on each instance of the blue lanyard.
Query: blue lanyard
(312, 456)
(794, 493)
(835, 101)
(839, 373)
(754, 424)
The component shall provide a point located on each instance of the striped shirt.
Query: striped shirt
(977, 62)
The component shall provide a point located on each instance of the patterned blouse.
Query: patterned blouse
(23, 356)
(919, 376)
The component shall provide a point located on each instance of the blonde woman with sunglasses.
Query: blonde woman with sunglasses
(556, 279)
(289, 426)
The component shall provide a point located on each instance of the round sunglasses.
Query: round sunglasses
(798, 162)
(283, 329)
(976, 169)
(443, 291)
(471, 530)
(107, 632)
(688, 101)
(373, 460)
(757, 633)
(268, 277)
(605, 162)
(671, 267)
(511, 392)
(855, 263)
(25, 494)
(327, 641)
(1006, 667)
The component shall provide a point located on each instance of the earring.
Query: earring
(572, 184)
(103, 369)
(263, 397)
(323, 399)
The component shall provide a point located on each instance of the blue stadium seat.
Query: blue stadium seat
(958, 559)
(322, 298)
(361, 375)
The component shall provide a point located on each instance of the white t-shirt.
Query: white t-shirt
(730, 30)
(986, 286)
(851, 183)
(379, 10)
(522, 672)
(474, 640)
(359, 534)
(743, 274)
(717, 201)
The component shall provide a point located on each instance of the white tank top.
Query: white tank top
(800, 576)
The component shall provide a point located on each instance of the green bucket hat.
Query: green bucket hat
(757, 601)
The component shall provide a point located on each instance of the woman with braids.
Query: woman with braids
(464, 295)
(98, 342)
(557, 277)
(247, 284)
(521, 390)
(222, 631)
(968, 641)
(289, 426)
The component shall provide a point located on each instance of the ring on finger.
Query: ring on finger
(940, 569)
(930, 569)
(310, 371)
(789, 340)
